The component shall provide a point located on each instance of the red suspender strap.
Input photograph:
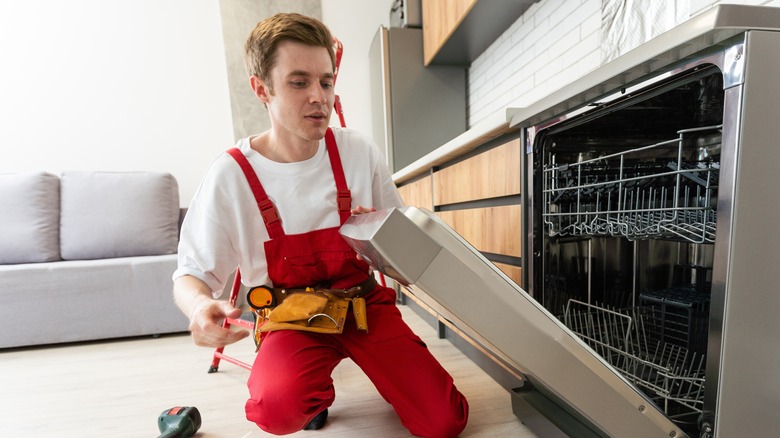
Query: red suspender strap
(344, 196)
(267, 209)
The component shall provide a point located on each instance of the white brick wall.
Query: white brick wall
(552, 44)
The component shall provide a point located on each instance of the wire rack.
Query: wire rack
(626, 194)
(670, 374)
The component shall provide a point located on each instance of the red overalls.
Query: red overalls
(291, 382)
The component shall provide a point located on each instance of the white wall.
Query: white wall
(113, 85)
(140, 84)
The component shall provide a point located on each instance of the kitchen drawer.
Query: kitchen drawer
(491, 174)
(492, 229)
(513, 272)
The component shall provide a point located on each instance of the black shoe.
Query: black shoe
(317, 422)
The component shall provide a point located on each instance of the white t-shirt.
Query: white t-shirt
(223, 228)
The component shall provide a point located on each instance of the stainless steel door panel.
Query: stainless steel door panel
(413, 246)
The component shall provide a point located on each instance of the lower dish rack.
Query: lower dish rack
(672, 375)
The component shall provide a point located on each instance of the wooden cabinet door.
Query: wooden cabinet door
(418, 193)
(491, 174)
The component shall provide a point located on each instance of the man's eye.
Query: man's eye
(298, 84)
(327, 85)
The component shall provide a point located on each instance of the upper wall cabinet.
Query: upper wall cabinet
(456, 32)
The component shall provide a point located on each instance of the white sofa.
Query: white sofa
(87, 256)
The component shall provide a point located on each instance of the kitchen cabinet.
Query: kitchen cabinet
(455, 32)
(478, 196)
(475, 174)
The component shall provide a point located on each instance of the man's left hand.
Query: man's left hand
(362, 210)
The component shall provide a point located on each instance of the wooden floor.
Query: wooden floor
(119, 388)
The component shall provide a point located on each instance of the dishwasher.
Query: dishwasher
(651, 303)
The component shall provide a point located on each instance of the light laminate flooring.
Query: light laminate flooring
(119, 388)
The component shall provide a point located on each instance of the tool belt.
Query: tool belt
(310, 309)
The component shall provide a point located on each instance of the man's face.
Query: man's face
(300, 97)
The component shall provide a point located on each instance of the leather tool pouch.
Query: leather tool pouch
(312, 310)
(315, 311)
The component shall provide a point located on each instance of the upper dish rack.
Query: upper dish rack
(627, 194)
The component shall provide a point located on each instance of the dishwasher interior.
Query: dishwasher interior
(627, 223)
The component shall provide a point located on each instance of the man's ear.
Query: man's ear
(260, 88)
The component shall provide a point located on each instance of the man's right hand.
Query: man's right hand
(206, 324)
(206, 314)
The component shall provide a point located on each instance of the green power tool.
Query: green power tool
(179, 422)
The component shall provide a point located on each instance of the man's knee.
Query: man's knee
(446, 424)
(275, 419)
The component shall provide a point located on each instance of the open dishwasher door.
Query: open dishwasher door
(414, 247)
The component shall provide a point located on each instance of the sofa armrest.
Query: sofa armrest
(29, 218)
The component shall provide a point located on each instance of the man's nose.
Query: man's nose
(319, 94)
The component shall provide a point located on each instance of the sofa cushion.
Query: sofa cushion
(118, 214)
(29, 218)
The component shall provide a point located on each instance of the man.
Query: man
(314, 177)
